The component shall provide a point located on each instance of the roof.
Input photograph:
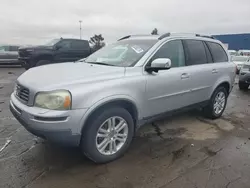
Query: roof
(159, 37)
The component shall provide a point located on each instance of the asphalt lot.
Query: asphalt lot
(184, 151)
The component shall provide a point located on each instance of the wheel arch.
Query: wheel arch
(224, 84)
(127, 104)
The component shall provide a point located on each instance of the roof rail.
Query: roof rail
(206, 36)
(164, 36)
(126, 37)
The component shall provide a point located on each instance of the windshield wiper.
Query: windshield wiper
(100, 63)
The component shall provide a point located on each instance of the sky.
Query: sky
(38, 21)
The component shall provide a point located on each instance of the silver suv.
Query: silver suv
(99, 102)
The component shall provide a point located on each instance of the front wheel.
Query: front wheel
(108, 135)
(217, 103)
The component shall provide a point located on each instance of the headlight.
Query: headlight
(54, 100)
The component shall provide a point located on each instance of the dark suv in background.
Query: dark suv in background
(56, 51)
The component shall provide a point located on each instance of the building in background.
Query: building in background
(235, 41)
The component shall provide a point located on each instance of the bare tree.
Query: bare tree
(97, 41)
(154, 32)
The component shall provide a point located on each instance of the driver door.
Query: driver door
(169, 90)
(62, 54)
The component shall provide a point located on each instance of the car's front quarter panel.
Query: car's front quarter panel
(130, 88)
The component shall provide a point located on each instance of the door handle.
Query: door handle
(214, 71)
(184, 76)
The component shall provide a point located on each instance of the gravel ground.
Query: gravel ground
(185, 150)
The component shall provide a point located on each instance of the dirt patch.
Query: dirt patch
(209, 151)
(179, 152)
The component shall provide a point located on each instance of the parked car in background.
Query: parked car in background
(244, 52)
(99, 102)
(56, 51)
(239, 61)
(9, 55)
(232, 52)
(244, 77)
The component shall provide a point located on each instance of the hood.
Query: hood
(60, 75)
(239, 62)
(36, 47)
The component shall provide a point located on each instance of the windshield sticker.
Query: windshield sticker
(137, 49)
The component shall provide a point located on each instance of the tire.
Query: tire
(243, 86)
(42, 62)
(25, 65)
(89, 139)
(210, 110)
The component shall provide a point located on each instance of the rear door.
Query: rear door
(221, 66)
(198, 59)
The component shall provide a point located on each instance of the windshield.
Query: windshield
(3, 48)
(122, 53)
(240, 58)
(52, 42)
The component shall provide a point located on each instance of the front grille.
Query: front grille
(23, 53)
(22, 93)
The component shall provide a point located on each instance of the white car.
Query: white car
(232, 52)
(244, 52)
(240, 61)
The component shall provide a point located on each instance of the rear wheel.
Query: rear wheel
(108, 135)
(243, 86)
(217, 103)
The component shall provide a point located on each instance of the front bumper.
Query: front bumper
(244, 78)
(61, 127)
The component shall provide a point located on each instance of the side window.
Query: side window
(65, 44)
(172, 50)
(218, 53)
(14, 48)
(208, 53)
(195, 52)
(77, 44)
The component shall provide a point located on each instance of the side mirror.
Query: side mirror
(159, 64)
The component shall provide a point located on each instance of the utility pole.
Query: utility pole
(80, 21)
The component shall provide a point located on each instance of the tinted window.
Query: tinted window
(65, 44)
(208, 53)
(77, 44)
(218, 53)
(172, 50)
(195, 52)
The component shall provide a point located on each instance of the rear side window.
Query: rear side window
(77, 44)
(195, 52)
(218, 53)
